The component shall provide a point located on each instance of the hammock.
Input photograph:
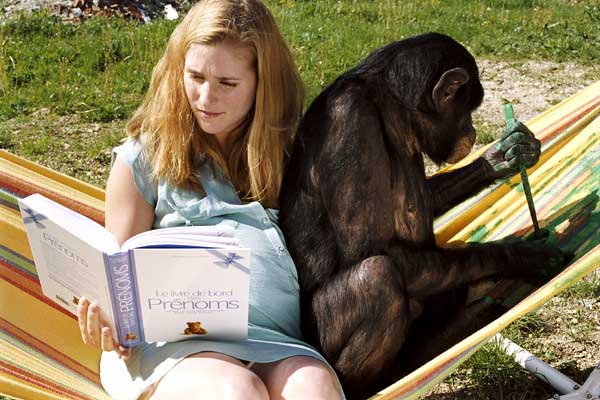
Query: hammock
(41, 353)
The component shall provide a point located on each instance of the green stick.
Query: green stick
(509, 117)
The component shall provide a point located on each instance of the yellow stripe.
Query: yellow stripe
(566, 107)
(49, 371)
(12, 233)
(19, 389)
(11, 162)
(47, 325)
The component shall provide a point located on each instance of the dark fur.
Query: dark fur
(357, 212)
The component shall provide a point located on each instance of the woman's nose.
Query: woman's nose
(207, 94)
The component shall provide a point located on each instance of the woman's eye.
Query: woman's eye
(229, 84)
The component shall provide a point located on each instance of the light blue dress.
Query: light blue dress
(274, 315)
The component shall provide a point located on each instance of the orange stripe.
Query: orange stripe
(24, 188)
(51, 352)
(51, 387)
(552, 128)
(8, 272)
(543, 212)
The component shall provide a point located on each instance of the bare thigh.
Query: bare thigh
(208, 375)
(298, 377)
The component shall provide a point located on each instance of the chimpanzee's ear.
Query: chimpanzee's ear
(447, 87)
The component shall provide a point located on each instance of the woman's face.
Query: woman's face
(220, 84)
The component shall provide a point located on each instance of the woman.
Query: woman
(207, 147)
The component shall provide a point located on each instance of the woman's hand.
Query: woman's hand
(94, 333)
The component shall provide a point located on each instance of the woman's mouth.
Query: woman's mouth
(208, 114)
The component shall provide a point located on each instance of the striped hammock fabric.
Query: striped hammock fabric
(41, 353)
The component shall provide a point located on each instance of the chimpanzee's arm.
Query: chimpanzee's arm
(450, 188)
(376, 205)
(517, 147)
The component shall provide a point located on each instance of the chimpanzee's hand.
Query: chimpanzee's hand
(517, 146)
(536, 261)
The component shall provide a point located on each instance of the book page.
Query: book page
(193, 293)
(196, 236)
(68, 267)
(186, 241)
(79, 225)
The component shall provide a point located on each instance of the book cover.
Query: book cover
(163, 285)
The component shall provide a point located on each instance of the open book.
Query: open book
(162, 285)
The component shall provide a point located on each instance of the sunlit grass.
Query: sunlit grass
(101, 68)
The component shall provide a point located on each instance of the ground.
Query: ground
(565, 332)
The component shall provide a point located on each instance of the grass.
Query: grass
(67, 90)
(100, 69)
(97, 72)
(549, 333)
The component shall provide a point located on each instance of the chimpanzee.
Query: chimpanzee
(357, 210)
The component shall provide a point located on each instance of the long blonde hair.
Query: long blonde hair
(173, 140)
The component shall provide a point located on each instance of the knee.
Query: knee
(248, 386)
(378, 274)
(308, 378)
(234, 387)
(210, 376)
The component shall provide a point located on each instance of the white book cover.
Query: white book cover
(162, 285)
(211, 300)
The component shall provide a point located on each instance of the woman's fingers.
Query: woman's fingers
(107, 339)
(109, 344)
(82, 312)
(92, 331)
(93, 324)
(124, 352)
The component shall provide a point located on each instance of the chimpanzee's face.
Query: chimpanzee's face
(464, 140)
(447, 137)
(446, 132)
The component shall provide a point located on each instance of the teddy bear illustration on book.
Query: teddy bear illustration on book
(194, 328)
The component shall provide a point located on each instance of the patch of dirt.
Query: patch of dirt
(64, 143)
(77, 10)
(532, 87)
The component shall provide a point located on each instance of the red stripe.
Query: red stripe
(50, 352)
(23, 188)
(38, 381)
(34, 291)
(568, 120)
(17, 270)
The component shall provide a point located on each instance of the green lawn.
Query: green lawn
(100, 69)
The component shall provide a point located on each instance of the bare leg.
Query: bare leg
(209, 376)
(298, 377)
